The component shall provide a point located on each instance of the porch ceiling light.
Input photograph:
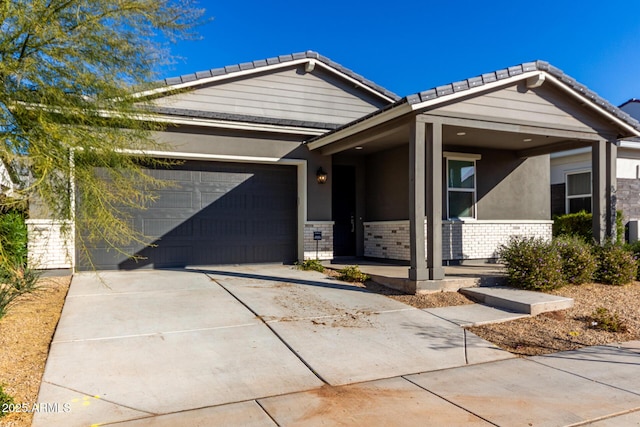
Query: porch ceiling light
(461, 133)
(527, 140)
(321, 176)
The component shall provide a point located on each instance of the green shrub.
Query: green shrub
(605, 320)
(616, 265)
(352, 273)
(13, 238)
(581, 225)
(5, 400)
(532, 263)
(579, 264)
(576, 224)
(310, 264)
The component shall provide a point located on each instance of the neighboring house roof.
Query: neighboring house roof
(446, 93)
(632, 108)
(376, 95)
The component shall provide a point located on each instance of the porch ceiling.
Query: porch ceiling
(525, 143)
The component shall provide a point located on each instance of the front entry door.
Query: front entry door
(344, 210)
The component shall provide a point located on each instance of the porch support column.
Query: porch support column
(603, 166)
(434, 200)
(417, 210)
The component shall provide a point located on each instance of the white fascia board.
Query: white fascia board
(361, 126)
(473, 91)
(194, 121)
(597, 108)
(225, 76)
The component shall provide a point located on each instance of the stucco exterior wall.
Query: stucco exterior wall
(387, 185)
(510, 188)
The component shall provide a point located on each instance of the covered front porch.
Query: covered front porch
(448, 175)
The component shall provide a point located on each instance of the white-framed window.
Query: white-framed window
(461, 185)
(578, 191)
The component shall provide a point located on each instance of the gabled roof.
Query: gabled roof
(245, 68)
(472, 85)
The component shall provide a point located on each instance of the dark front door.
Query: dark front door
(344, 210)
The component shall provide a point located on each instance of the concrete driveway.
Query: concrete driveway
(265, 345)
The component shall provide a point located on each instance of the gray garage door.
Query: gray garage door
(216, 213)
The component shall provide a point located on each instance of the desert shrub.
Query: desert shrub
(576, 224)
(5, 400)
(579, 264)
(606, 320)
(310, 264)
(532, 263)
(634, 248)
(352, 273)
(616, 265)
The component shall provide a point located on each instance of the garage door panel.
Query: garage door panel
(153, 227)
(216, 213)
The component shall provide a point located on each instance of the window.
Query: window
(461, 188)
(578, 192)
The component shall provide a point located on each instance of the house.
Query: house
(571, 175)
(296, 157)
(7, 186)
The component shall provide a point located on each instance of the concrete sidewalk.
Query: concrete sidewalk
(269, 345)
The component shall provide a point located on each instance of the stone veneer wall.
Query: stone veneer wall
(325, 246)
(48, 246)
(628, 198)
(460, 239)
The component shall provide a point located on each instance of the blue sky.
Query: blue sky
(409, 46)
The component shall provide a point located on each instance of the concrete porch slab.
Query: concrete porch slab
(474, 314)
(396, 276)
(245, 414)
(389, 402)
(523, 392)
(518, 300)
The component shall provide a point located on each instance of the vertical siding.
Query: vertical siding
(289, 94)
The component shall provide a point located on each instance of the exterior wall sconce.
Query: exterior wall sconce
(321, 175)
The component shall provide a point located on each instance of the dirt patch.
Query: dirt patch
(344, 405)
(25, 334)
(570, 329)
